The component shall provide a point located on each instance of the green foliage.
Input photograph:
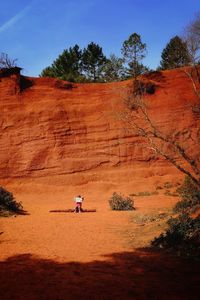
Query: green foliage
(190, 196)
(76, 65)
(93, 61)
(48, 72)
(175, 54)
(183, 235)
(8, 203)
(114, 70)
(91, 65)
(119, 202)
(67, 66)
(136, 69)
(133, 51)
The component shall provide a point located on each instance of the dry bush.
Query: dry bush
(120, 202)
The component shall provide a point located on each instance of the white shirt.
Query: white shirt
(78, 199)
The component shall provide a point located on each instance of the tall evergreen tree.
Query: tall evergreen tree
(175, 54)
(133, 51)
(67, 66)
(93, 61)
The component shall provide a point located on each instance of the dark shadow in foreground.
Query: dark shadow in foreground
(139, 275)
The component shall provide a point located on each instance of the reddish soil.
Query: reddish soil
(58, 142)
(100, 255)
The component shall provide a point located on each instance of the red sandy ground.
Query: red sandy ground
(100, 255)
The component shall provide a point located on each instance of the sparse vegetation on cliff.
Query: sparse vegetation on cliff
(91, 64)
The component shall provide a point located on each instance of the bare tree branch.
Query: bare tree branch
(174, 162)
(6, 62)
(192, 38)
(148, 130)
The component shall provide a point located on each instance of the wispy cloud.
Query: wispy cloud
(16, 18)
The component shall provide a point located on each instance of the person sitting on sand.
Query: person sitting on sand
(78, 200)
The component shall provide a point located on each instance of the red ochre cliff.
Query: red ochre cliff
(51, 127)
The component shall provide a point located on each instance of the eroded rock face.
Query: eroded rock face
(49, 127)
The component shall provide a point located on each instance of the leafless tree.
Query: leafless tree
(192, 38)
(137, 118)
(6, 62)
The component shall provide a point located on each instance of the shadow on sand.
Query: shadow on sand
(139, 275)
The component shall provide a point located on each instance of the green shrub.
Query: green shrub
(8, 203)
(183, 234)
(119, 202)
(190, 197)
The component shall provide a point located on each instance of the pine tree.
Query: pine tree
(48, 72)
(133, 51)
(93, 61)
(67, 66)
(175, 54)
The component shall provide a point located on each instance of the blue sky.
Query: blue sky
(37, 31)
